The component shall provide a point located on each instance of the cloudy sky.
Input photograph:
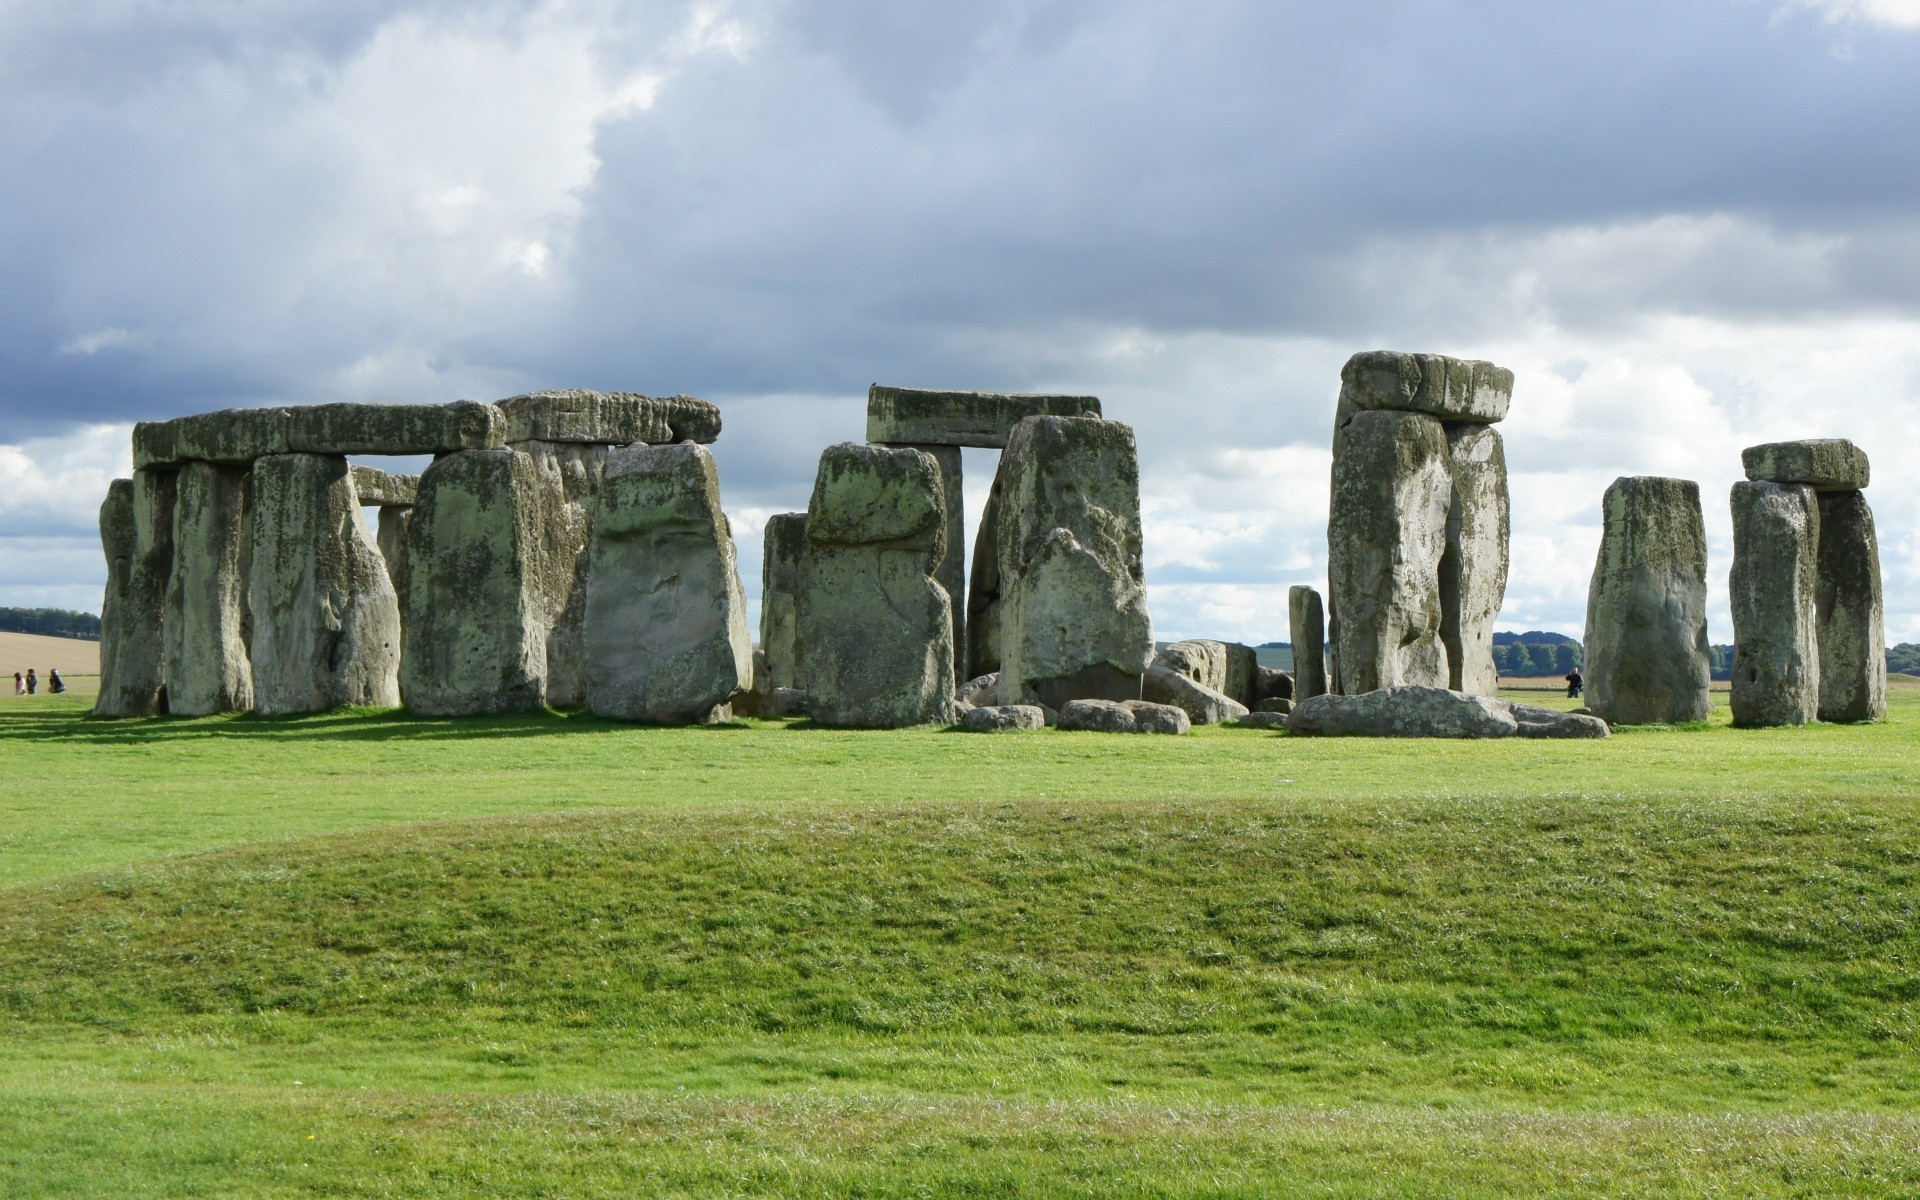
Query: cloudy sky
(1687, 227)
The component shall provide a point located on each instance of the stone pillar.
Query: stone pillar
(477, 602)
(983, 592)
(326, 621)
(208, 628)
(953, 567)
(391, 537)
(1386, 534)
(120, 542)
(1776, 655)
(782, 564)
(138, 687)
(1073, 615)
(1646, 637)
(665, 616)
(1308, 629)
(570, 472)
(1850, 612)
(875, 626)
(1473, 570)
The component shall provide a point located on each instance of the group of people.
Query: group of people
(28, 684)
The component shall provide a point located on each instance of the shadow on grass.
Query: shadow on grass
(350, 724)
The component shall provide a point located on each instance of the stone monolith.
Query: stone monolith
(983, 592)
(666, 618)
(325, 619)
(1776, 657)
(391, 536)
(953, 568)
(139, 671)
(1473, 569)
(119, 541)
(1646, 637)
(208, 625)
(570, 472)
(1850, 612)
(782, 565)
(875, 626)
(1307, 625)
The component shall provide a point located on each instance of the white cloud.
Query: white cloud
(111, 338)
(1896, 14)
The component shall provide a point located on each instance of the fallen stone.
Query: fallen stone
(1850, 612)
(666, 618)
(477, 599)
(1451, 389)
(1307, 624)
(1646, 635)
(1098, 716)
(875, 627)
(1275, 704)
(783, 561)
(1202, 661)
(207, 628)
(394, 428)
(326, 622)
(608, 418)
(1271, 683)
(1776, 655)
(1386, 535)
(1204, 705)
(1004, 718)
(381, 489)
(918, 416)
(1473, 570)
(119, 541)
(233, 436)
(1404, 712)
(785, 702)
(1262, 719)
(978, 693)
(1149, 717)
(1824, 464)
(1537, 722)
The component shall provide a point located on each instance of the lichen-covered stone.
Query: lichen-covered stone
(919, 416)
(570, 472)
(1073, 609)
(383, 489)
(1850, 612)
(119, 541)
(394, 428)
(1537, 722)
(1646, 636)
(1776, 656)
(326, 621)
(1307, 623)
(234, 436)
(952, 573)
(1205, 705)
(208, 626)
(1199, 659)
(1004, 718)
(477, 600)
(783, 558)
(1824, 464)
(1451, 389)
(666, 617)
(139, 671)
(608, 418)
(1097, 716)
(875, 628)
(1404, 712)
(1263, 719)
(1386, 534)
(1473, 570)
(1152, 717)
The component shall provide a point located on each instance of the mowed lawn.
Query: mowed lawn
(368, 955)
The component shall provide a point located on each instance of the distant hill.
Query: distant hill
(50, 622)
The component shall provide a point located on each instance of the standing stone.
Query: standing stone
(1386, 535)
(1850, 612)
(1646, 637)
(1243, 674)
(1308, 628)
(570, 472)
(139, 671)
(119, 540)
(1776, 655)
(1473, 571)
(477, 600)
(208, 669)
(782, 563)
(1073, 616)
(953, 567)
(326, 621)
(666, 618)
(392, 539)
(983, 592)
(875, 627)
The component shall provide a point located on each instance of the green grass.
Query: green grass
(364, 954)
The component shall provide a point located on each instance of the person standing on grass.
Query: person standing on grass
(19, 684)
(55, 684)
(33, 682)
(1574, 684)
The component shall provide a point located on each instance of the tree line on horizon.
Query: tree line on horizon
(50, 622)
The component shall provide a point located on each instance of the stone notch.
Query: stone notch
(922, 416)
(394, 428)
(379, 489)
(1823, 464)
(1452, 389)
(232, 436)
(608, 418)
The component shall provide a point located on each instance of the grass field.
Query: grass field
(365, 954)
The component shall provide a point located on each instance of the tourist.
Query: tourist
(19, 684)
(55, 684)
(1574, 684)
(33, 682)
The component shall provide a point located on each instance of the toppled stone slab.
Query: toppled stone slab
(1451, 389)
(1473, 570)
(1851, 612)
(1537, 722)
(978, 693)
(1404, 712)
(609, 418)
(783, 547)
(1204, 705)
(208, 626)
(1776, 655)
(1646, 636)
(326, 621)
(1275, 704)
(916, 416)
(1823, 464)
(394, 428)
(1004, 718)
(1129, 716)
(1307, 623)
(383, 489)
(666, 617)
(1263, 719)
(233, 436)
(1149, 717)
(1201, 660)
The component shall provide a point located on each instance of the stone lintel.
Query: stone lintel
(923, 416)
(609, 418)
(1823, 464)
(1452, 389)
(381, 489)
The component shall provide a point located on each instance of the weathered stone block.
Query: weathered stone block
(234, 436)
(1536, 722)
(1243, 673)
(1473, 570)
(1097, 716)
(570, 472)
(394, 428)
(1850, 612)
(1263, 719)
(208, 627)
(1004, 718)
(1776, 656)
(982, 692)
(783, 556)
(1646, 637)
(983, 592)
(952, 572)
(326, 621)
(383, 489)
(1199, 659)
(391, 537)
(921, 416)
(1823, 464)
(1404, 712)
(120, 542)
(666, 618)
(1205, 705)
(1271, 683)
(1451, 389)
(1307, 625)
(609, 418)
(1149, 717)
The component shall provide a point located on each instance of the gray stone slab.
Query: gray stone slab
(1004, 718)
(1646, 635)
(1451, 389)
(234, 436)
(1473, 570)
(208, 624)
(952, 573)
(395, 428)
(391, 536)
(783, 545)
(119, 541)
(1824, 464)
(1851, 612)
(609, 418)
(1404, 712)
(983, 592)
(1202, 704)
(1307, 625)
(1776, 657)
(925, 416)
(383, 489)
(570, 472)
